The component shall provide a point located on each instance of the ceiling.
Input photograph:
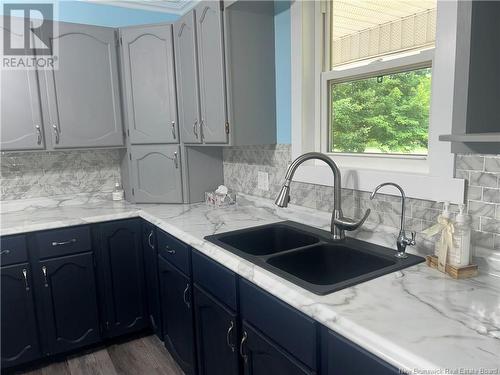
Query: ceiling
(353, 16)
(164, 6)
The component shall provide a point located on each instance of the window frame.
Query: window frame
(405, 61)
(430, 177)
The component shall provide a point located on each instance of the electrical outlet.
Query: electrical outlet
(263, 181)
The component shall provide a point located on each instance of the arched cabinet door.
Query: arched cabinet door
(19, 331)
(122, 270)
(21, 117)
(149, 83)
(69, 299)
(187, 78)
(212, 71)
(156, 173)
(83, 93)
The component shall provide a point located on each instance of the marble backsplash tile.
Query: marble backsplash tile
(242, 164)
(45, 174)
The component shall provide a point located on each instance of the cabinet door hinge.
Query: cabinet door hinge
(226, 125)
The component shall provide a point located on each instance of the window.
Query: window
(388, 113)
(379, 110)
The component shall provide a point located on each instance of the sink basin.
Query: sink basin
(307, 256)
(267, 239)
(329, 263)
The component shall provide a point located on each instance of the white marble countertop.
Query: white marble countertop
(416, 319)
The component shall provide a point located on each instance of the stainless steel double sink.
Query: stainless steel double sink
(307, 257)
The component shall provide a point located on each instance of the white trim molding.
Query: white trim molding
(430, 177)
(178, 7)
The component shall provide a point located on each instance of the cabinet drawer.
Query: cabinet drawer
(63, 241)
(175, 251)
(215, 279)
(289, 328)
(13, 250)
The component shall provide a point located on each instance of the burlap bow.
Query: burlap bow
(446, 228)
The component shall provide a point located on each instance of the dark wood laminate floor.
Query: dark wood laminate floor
(142, 356)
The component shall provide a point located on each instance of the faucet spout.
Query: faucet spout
(339, 223)
(402, 240)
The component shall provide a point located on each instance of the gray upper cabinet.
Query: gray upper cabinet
(21, 118)
(156, 173)
(149, 84)
(83, 94)
(209, 29)
(21, 111)
(187, 78)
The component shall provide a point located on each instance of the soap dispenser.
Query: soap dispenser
(461, 254)
(443, 218)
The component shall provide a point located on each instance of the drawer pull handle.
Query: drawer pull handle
(38, 135)
(73, 240)
(176, 160)
(242, 347)
(228, 337)
(186, 297)
(173, 129)
(170, 251)
(5, 252)
(195, 128)
(150, 237)
(56, 133)
(25, 275)
(44, 270)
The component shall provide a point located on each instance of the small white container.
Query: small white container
(461, 254)
(118, 194)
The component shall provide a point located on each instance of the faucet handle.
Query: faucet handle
(346, 223)
(411, 241)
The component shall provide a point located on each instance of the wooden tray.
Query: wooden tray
(455, 272)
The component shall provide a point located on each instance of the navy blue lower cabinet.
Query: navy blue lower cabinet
(177, 310)
(18, 322)
(67, 289)
(149, 246)
(217, 336)
(121, 266)
(341, 356)
(261, 356)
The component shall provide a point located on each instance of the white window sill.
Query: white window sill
(415, 185)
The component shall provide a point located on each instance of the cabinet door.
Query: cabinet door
(68, 293)
(148, 72)
(19, 330)
(21, 116)
(262, 356)
(83, 92)
(212, 75)
(121, 264)
(341, 356)
(156, 174)
(187, 78)
(216, 336)
(176, 299)
(149, 245)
